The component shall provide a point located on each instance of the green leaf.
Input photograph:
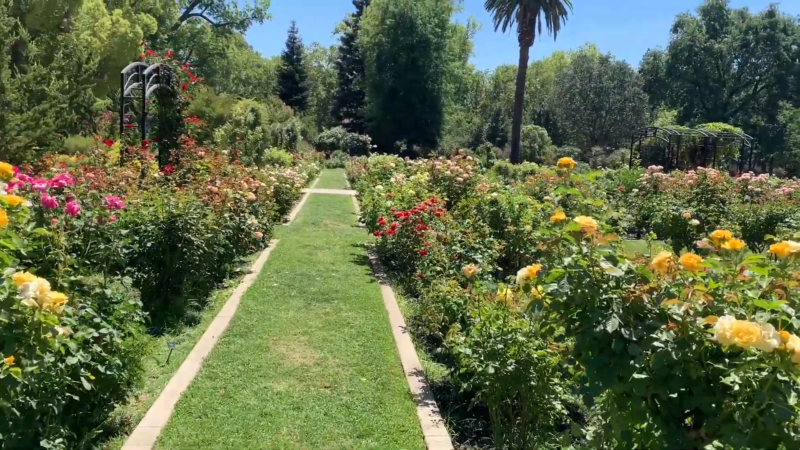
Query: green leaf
(769, 306)
(611, 269)
(15, 372)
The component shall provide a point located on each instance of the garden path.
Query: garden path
(308, 360)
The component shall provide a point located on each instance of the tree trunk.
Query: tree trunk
(519, 99)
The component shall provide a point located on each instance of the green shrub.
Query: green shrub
(338, 138)
(505, 361)
(337, 160)
(78, 145)
(278, 158)
(513, 172)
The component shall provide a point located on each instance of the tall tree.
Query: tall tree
(223, 14)
(529, 15)
(351, 99)
(405, 46)
(292, 78)
(601, 100)
(321, 64)
(732, 66)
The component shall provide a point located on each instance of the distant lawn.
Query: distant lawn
(332, 179)
(633, 246)
(309, 361)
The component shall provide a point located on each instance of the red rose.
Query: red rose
(376, 233)
(423, 252)
(108, 142)
(390, 232)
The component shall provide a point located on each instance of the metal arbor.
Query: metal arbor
(683, 148)
(137, 82)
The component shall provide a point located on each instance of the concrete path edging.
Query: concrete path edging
(330, 191)
(430, 419)
(296, 210)
(146, 434)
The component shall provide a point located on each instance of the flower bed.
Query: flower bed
(525, 293)
(94, 250)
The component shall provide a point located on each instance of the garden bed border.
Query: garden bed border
(146, 433)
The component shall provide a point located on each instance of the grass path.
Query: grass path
(332, 179)
(308, 361)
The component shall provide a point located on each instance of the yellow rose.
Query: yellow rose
(504, 295)
(785, 335)
(793, 345)
(690, 261)
(470, 270)
(527, 274)
(55, 302)
(559, 216)
(734, 245)
(663, 262)
(21, 278)
(720, 236)
(746, 334)
(785, 248)
(566, 163)
(3, 219)
(9, 361)
(6, 170)
(13, 200)
(588, 225)
(35, 292)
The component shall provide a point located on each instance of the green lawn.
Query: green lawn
(634, 246)
(332, 179)
(157, 371)
(309, 361)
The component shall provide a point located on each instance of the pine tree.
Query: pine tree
(348, 108)
(292, 79)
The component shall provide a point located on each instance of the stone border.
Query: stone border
(296, 209)
(146, 434)
(330, 191)
(430, 419)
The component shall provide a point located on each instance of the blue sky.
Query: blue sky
(626, 28)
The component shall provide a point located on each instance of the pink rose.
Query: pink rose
(72, 209)
(49, 202)
(113, 202)
(39, 185)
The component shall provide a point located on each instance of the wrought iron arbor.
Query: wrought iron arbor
(137, 82)
(682, 148)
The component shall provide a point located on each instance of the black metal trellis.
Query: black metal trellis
(137, 82)
(687, 148)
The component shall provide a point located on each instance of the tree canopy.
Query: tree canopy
(406, 63)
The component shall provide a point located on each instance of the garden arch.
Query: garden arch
(138, 83)
(686, 148)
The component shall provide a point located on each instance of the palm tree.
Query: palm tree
(530, 16)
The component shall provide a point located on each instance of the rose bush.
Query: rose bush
(525, 291)
(93, 248)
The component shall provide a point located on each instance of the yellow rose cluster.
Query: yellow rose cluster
(528, 274)
(744, 334)
(723, 239)
(785, 249)
(566, 163)
(35, 293)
